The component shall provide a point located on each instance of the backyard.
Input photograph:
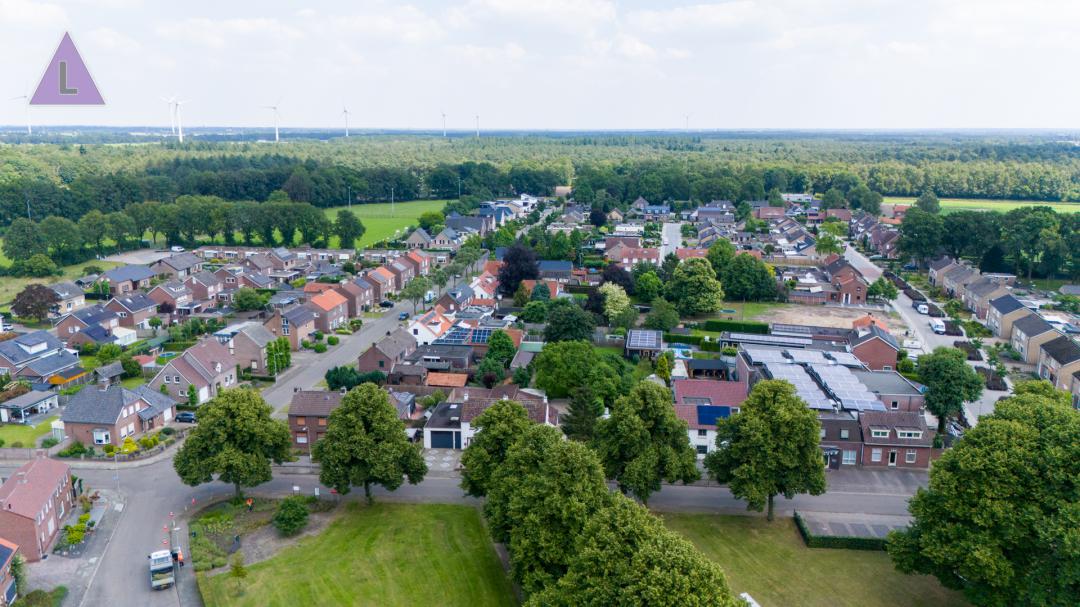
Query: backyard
(14, 435)
(385, 554)
(771, 562)
(9, 287)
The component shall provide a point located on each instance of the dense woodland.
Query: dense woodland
(70, 180)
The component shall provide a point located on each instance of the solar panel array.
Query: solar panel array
(847, 359)
(639, 339)
(481, 335)
(851, 393)
(456, 336)
(771, 339)
(765, 355)
(791, 329)
(708, 414)
(804, 385)
(808, 356)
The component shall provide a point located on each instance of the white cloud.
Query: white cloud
(110, 39)
(404, 23)
(27, 12)
(220, 33)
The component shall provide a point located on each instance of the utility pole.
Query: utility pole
(459, 187)
(392, 201)
(478, 126)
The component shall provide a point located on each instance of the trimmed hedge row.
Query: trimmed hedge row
(177, 346)
(694, 340)
(844, 542)
(740, 326)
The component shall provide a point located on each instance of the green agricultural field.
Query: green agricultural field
(771, 562)
(386, 554)
(9, 287)
(949, 205)
(381, 221)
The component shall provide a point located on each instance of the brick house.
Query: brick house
(309, 414)
(1029, 334)
(384, 282)
(421, 260)
(128, 279)
(106, 415)
(895, 391)
(70, 296)
(841, 438)
(939, 267)
(1058, 359)
(388, 352)
(419, 239)
(134, 310)
(331, 310)
(204, 286)
(978, 294)
(876, 348)
(700, 402)
(34, 501)
(895, 439)
(295, 324)
(80, 320)
(207, 366)
(402, 272)
(247, 342)
(358, 296)
(179, 266)
(1002, 313)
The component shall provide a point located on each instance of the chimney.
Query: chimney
(344, 390)
(296, 389)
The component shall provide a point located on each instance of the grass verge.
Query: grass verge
(27, 435)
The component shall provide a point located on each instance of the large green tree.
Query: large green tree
(747, 278)
(625, 556)
(921, 234)
(567, 321)
(769, 448)
(501, 347)
(365, 445)
(563, 367)
(928, 203)
(720, 254)
(539, 500)
(1000, 517)
(616, 301)
(663, 316)
(827, 244)
(643, 442)
(694, 288)
(497, 428)
(24, 239)
(950, 382)
(415, 291)
(236, 440)
(348, 228)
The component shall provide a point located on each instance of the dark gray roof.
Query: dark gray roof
(94, 314)
(1063, 350)
(28, 399)
(54, 363)
(876, 331)
(129, 273)
(1006, 304)
(394, 344)
(938, 264)
(1032, 325)
(548, 265)
(182, 261)
(98, 334)
(94, 405)
(1069, 290)
(886, 382)
(113, 369)
(136, 302)
(66, 290)
(983, 286)
(299, 315)
(156, 402)
(17, 350)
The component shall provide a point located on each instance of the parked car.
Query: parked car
(386, 303)
(177, 249)
(186, 417)
(937, 325)
(403, 316)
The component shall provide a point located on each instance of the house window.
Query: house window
(301, 421)
(875, 455)
(301, 438)
(702, 432)
(844, 433)
(886, 368)
(910, 456)
(166, 379)
(322, 421)
(895, 405)
(909, 433)
(381, 365)
(849, 457)
(879, 433)
(101, 437)
(823, 433)
(702, 449)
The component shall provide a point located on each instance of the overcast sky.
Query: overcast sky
(559, 64)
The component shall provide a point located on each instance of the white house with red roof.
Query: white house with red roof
(700, 402)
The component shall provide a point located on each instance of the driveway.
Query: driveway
(672, 234)
(141, 257)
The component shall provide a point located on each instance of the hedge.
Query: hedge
(739, 326)
(694, 340)
(586, 289)
(177, 346)
(845, 542)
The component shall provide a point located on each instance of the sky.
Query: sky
(557, 64)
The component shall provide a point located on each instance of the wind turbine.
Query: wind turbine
(172, 112)
(345, 111)
(179, 120)
(478, 126)
(444, 124)
(25, 97)
(274, 107)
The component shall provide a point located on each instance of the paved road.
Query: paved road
(672, 233)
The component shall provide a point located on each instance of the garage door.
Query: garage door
(442, 439)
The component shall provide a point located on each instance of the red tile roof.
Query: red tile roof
(730, 393)
(328, 300)
(317, 287)
(29, 487)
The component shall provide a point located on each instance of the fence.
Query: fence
(21, 453)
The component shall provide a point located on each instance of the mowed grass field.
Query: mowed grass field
(381, 220)
(387, 555)
(10, 287)
(949, 205)
(25, 434)
(771, 562)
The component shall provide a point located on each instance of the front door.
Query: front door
(892, 458)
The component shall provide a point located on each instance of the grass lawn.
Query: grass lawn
(949, 205)
(9, 287)
(381, 222)
(771, 562)
(132, 382)
(386, 554)
(738, 310)
(27, 435)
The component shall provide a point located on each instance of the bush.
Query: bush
(343, 331)
(740, 326)
(47, 443)
(40, 598)
(17, 445)
(168, 431)
(317, 336)
(676, 338)
(333, 340)
(75, 449)
(109, 450)
(305, 344)
(842, 542)
(730, 351)
(291, 515)
(319, 348)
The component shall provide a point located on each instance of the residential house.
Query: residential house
(615, 216)
(384, 281)
(331, 310)
(841, 438)
(691, 253)
(656, 212)
(85, 318)
(295, 324)
(174, 297)
(207, 366)
(429, 326)
(448, 238)
(639, 205)
(876, 348)
(107, 414)
(768, 213)
(899, 439)
(179, 266)
(700, 402)
(204, 286)
(939, 267)
(9, 590)
(450, 425)
(309, 414)
(34, 501)
(403, 273)
(22, 350)
(247, 342)
(555, 270)
(629, 257)
(70, 296)
(111, 373)
(956, 279)
(421, 261)
(419, 239)
(644, 343)
(134, 310)
(128, 279)
(388, 352)
(455, 299)
(59, 370)
(19, 409)
(848, 284)
(442, 357)
(978, 294)
(479, 225)
(1002, 313)
(1029, 333)
(358, 296)
(895, 391)
(1059, 359)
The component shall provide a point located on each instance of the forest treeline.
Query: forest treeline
(70, 180)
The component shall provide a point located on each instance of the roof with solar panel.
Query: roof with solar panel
(641, 339)
(847, 388)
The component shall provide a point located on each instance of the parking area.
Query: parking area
(831, 316)
(443, 463)
(881, 482)
(832, 524)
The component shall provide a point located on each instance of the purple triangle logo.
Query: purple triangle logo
(66, 80)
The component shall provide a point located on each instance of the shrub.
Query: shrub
(730, 351)
(842, 542)
(128, 447)
(1, 442)
(17, 444)
(47, 443)
(740, 326)
(317, 336)
(319, 348)
(75, 449)
(291, 515)
(40, 598)
(343, 331)
(148, 442)
(168, 431)
(109, 450)
(333, 340)
(305, 344)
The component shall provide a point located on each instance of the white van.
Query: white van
(922, 309)
(937, 325)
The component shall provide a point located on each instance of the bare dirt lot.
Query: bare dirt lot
(825, 316)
